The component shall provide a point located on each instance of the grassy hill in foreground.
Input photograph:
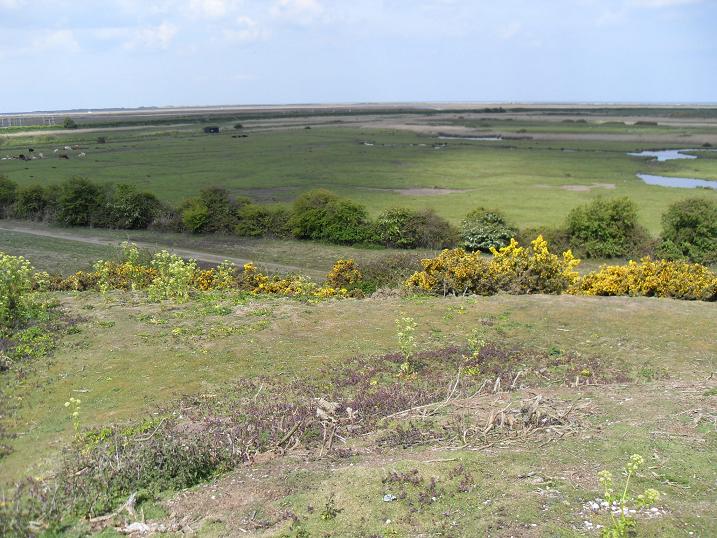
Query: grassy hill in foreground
(459, 467)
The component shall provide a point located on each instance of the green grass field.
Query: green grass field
(535, 182)
(126, 358)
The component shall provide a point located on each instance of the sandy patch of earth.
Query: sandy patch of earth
(581, 188)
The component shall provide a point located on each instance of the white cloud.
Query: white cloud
(59, 41)
(211, 8)
(246, 30)
(299, 11)
(664, 3)
(152, 37)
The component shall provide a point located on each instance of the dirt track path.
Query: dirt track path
(200, 256)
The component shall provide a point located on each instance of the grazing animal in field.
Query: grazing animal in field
(63, 156)
(22, 157)
(68, 148)
(31, 150)
(55, 150)
(82, 155)
(41, 155)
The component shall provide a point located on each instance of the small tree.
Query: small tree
(406, 228)
(69, 123)
(80, 202)
(483, 229)
(31, 202)
(605, 228)
(323, 216)
(130, 209)
(689, 231)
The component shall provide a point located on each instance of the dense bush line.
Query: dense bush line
(604, 228)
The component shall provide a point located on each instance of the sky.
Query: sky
(57, 54)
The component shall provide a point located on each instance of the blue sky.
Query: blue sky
(57, 54)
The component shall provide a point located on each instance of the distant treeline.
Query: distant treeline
(605, 228)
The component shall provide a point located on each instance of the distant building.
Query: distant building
(211, 130)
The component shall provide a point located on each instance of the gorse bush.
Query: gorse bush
(344, 274)
(689, 231)
(605, 229)
(16, 281)
(512, 269)
(649, 278)
(484, 229)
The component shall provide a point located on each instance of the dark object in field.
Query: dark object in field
(63, 157)
(31, 150)
(101, 139)
(211, 130)
(240, 136)
(706, 145)
(22, 157)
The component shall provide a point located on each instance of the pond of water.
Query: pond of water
(665, 181)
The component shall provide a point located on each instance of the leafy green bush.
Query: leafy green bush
(8, 192)
(483, 229)
(689, 231)
(405, 228)
(213, 211)
(69, 123)
(130, 209)
(323, 216)
(606, 229)
(15, 283)
(31, 203)
(81, 203)
(263, 221)
(195, 215)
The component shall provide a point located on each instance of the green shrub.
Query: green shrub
(31, 203)
(8, 192)
(606, 229)
(483, 229)
(81, 203)
(213, 211)
(15, 283)
(130, 209)
(323, 216)
(69, 123)
(263, 221)
(689, 231)
(195, 215)
(405, 228)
